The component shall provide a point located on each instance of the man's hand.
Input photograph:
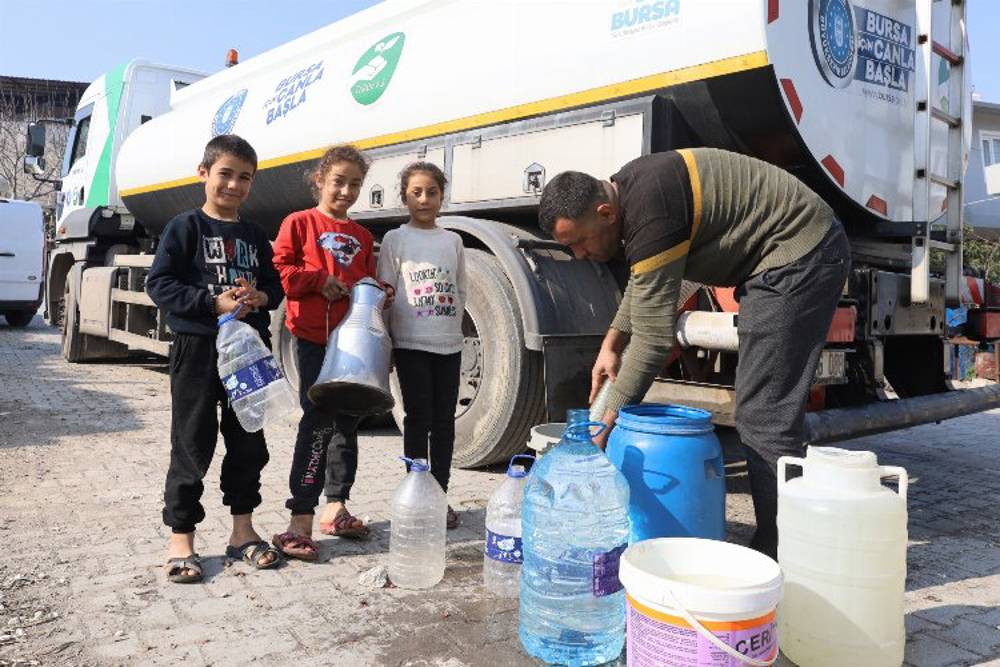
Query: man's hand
(250, 295)
(228, 301)
(333, 289)
(607, 365)
(609, 360)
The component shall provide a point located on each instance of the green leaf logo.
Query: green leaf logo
(375, 68)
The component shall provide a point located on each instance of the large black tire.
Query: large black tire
(76, 346)
(72, 339)
(502, 391)
(19, 318)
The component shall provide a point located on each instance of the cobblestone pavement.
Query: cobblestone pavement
(83, 452)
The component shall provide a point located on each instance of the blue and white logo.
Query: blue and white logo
(225, 117)
(834, 36)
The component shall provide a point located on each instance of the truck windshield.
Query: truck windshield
(76, 142)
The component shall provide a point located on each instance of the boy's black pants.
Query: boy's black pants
(195, 396)
(785, 313)
(429, 383)
(326, 445)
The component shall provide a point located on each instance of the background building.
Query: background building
(982, 181)
(22, 101)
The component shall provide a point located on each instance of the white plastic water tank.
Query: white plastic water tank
(842, 548)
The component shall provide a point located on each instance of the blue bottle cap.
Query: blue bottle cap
(416, 465)
(230, 316)
(518, 471)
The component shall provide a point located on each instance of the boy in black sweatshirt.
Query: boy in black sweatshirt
(208, 263)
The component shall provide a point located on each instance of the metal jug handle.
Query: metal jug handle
(784, 461)
(896, 471)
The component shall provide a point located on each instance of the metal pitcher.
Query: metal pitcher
(354, 379)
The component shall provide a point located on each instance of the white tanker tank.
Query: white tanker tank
(824, 88)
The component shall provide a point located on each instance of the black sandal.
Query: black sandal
(176, 567)
(252, 552)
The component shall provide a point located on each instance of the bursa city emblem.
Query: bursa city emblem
(229, 111)
(834, 36)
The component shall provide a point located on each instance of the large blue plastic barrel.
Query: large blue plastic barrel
(673, 463)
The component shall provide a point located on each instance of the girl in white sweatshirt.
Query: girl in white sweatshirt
(426, 266)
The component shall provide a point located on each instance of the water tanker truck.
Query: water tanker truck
(866, 101)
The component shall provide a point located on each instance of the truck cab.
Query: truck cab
(92, 224)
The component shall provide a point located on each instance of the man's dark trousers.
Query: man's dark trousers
(785, 314)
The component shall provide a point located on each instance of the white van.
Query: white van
(22, 260)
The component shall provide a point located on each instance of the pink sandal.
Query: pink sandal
(344, 524)
(296, 546)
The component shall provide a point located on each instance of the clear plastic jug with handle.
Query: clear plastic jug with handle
(502, 553)
(257, 389)
(417, 539)
(842, 548)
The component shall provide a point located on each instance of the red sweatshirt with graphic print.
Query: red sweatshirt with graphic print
(311, 246)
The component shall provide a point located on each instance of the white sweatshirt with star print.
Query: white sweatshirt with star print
(427, 268)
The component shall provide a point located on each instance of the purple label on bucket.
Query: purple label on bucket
(653, 642)
(606, 579)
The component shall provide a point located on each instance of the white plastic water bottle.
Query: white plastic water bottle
(418, 525)
(257, 389)
(502, 555)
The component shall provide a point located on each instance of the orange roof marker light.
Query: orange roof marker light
(232, 57)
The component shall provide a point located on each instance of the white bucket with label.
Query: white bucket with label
(693, 602)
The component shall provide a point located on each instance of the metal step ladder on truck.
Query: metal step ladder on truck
(864, 100)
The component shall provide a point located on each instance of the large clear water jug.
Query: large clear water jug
(417, 531)
(575, 529)
(502, 553)
(257, 389)
(842, 548)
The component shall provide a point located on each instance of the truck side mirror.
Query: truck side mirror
(36, 140)
(34, 165)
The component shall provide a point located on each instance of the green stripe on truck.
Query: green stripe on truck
(114, 84)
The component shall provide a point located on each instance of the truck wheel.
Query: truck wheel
(72, 339)
(502, 392)
(19, 318)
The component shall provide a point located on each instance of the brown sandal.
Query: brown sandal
(452, 519)
(296, 546)
(344, 525)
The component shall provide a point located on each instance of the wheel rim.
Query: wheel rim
(62, 310)
(472, 365)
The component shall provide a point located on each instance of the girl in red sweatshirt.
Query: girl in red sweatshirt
(320, 254)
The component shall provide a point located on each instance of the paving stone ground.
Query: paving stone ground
(83, 453)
